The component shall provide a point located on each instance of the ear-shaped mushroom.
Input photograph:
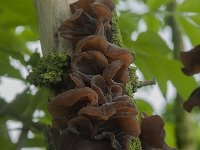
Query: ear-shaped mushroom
(124, 124)
(116, 90)
(99, 85)
(109, 135)
(121, 98)
(116, 71)
(105, 111)
(99, 43)
(66, 105)
(81, 125)
(120, 128)
(91, 43)
(72, 141)
(108, 3)
(78, 26)
(91, 63)
(76, 78)
(194, 100)
(102, 11)
(191, 61)
(152, 133)
(116, 53)
(83, 4)
(95, 8)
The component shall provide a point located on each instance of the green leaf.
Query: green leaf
(190, 29)
(189, 6)
(7, 69)
(128, 23)
(5, 140)
(26, 103)
(152, 59)
(18, 13)
(153, 24)
(196, 19)
(11, 41)
(37, 141)
(155, 4)
(29, 35)
(144, 106)
(170, 136)
(155, 64)
(165, 69)
(151, 40)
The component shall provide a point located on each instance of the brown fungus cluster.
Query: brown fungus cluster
(191, 62)
(95, 112)
(152, 133)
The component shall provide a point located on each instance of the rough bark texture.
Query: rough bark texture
(50, 14)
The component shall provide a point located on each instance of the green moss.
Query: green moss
(131, 87)
(48, 70)
(116, 34)
(135, 144)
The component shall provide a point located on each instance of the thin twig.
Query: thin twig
(146, 83)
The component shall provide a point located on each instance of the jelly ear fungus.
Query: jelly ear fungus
(95, 112)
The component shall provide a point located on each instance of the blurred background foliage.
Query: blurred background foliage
(156, 30)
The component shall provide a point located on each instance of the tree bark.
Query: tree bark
(50, 14)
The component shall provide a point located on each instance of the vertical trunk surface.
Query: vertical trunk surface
(50, 14)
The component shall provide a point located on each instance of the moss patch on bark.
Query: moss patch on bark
(131, 87)
(48, 71)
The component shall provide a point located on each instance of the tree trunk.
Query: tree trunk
(50, 14)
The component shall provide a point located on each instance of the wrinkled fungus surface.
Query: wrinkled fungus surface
(152, 133)
(96, 108)
(193, 100)
(93, 110)
(191, 61)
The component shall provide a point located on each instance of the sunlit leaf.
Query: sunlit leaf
(153, 24)
(26, 103)
(152, 59)
(128, 22)
(37, 141)
(151, 42)
(29, 35)
(20, 12)
(155, 4)
(5, 140)
(189, 6)
(170, 136)
(144, 106)
(191, 30)
(6, 69)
